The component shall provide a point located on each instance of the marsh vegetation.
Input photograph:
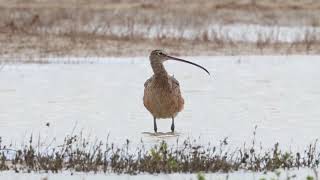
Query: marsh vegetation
(121, 28)
(186, 156)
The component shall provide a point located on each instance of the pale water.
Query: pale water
(103, 97)
(296, 174)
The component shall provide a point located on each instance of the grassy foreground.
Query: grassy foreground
(78, 154)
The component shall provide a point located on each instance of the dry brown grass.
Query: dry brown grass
(55, 46)
(22, 48)
(84, 28)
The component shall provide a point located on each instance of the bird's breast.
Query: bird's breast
(162, 99)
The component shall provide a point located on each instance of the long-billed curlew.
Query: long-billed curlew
(162, 96)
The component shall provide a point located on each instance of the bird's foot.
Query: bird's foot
(172, 128)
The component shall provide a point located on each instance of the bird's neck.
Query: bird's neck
(158, 69)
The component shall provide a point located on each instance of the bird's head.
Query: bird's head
(159, 56)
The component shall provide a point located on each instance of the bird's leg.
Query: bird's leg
(172, 125)
(154, 124)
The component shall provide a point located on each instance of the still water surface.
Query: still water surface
(279, 95)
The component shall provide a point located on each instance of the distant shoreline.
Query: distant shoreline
(81, 28)
(24, 46)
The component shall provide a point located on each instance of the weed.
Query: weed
(200, 176)
(310, 178)
(79, 154)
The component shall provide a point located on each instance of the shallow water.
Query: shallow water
(300, 174)
(103, 98)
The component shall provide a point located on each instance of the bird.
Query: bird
(162, 96)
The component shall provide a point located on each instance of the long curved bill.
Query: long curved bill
(185, 61)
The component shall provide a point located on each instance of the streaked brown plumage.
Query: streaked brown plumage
(162, 96)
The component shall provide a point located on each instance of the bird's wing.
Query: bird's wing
(175, 83)
(148, 81)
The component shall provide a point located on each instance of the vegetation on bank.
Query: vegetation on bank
(80, 155)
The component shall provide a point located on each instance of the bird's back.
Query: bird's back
(162, 96)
